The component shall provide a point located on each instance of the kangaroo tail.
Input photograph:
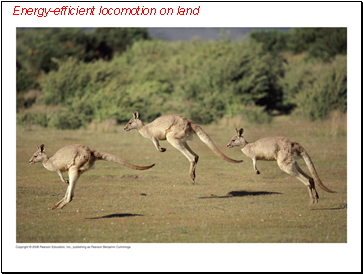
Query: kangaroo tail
(303, 154)
(112, 158)
(208, 141)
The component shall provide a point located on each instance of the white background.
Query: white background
(188, 257)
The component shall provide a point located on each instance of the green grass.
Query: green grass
(228, 204)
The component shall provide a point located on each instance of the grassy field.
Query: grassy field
(228, 204)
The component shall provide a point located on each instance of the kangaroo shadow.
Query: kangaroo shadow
(116, 215)
(241, 193)
(332, 208)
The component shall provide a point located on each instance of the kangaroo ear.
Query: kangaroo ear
(136, 114)
(240, 132)
(41, 148)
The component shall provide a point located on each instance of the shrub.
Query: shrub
(272, 40)
(318, 89)
(202, 80)
(256, 114)
(321, 43)
(36, 48)
(77, 113)
(33, 118)
(63, 119)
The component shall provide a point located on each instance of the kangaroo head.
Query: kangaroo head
(237, 140)
(38, 156)
(134, 122)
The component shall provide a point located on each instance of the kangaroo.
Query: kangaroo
(75, 159)
(285, 152)
(177, 130)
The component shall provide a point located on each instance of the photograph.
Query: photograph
(223, 141)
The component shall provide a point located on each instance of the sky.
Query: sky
(206, 33)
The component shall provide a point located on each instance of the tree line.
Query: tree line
(93, 75)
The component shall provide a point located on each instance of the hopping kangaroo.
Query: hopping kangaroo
(75, 159)
(285, 152)
(177, 130)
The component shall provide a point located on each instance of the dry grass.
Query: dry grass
(228, 204)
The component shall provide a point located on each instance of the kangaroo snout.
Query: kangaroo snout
(229, 145)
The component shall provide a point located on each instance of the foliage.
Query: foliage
(33, 118)
(256, 114)
(322, 43)
(37, 47)
(317, 89)
(272, 40)
(25, 80)
(203, 80)
(76, 114)
(108, 41)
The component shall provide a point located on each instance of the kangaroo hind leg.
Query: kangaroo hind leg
(311, 181)
(290, 168)
(196, 158)
(187, 152)
(73, 177)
